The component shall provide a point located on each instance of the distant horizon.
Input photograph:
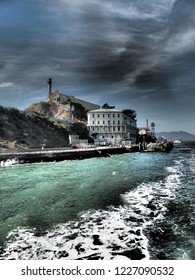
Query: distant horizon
(173, 135)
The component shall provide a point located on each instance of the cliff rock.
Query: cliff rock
(61, 111)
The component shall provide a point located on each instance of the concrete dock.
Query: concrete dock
(57, 154)
(60, 154)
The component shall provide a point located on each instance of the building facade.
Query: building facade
(111, 126)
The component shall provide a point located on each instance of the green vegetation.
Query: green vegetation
(58, 124)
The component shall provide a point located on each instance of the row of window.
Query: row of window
(112, 123)
(108, 115)
(108, 122)
(109, 129)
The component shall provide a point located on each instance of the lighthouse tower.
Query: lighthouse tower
(152, 128)
(49, 82)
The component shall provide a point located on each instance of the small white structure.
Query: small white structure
(75, 141)
(108, 126)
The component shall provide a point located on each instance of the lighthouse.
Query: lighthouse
(49, 82)
(153, 128)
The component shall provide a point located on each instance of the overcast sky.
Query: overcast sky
(136, 54)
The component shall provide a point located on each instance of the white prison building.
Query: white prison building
(111, 126)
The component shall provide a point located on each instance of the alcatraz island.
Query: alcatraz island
(64, 127)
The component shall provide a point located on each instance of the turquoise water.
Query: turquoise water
(99, 208)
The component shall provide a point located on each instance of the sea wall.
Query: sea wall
(60, 154)
(64, 154)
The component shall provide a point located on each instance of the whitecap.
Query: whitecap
(9, 162)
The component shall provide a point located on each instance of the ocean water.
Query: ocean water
(130, 206)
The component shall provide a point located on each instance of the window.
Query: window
(108, 122)
(98, 115)
(113, 115)
(118, 115)
(98, 122)
(113, 122)
(108, 115)
(93, 115)
(103, 122)
(113, 128)
(93, 122)
(118, 128)
(103, 115)
(118, 122)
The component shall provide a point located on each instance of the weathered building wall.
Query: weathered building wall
(59, 98)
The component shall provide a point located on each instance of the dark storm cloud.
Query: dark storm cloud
(173, 54)
(154, 54)
(116, 46)
(106, 40)
(182, 15)
(103, 41)
(137, 50)
(121, 45)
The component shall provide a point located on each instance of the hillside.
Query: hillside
(21, 129)
(171, 136)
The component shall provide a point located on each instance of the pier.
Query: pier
(60, 154)
(65, 153)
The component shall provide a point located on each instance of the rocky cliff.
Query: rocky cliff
(66, 111)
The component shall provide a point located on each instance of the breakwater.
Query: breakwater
(49, 155)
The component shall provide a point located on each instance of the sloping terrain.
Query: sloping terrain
(26, 129)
